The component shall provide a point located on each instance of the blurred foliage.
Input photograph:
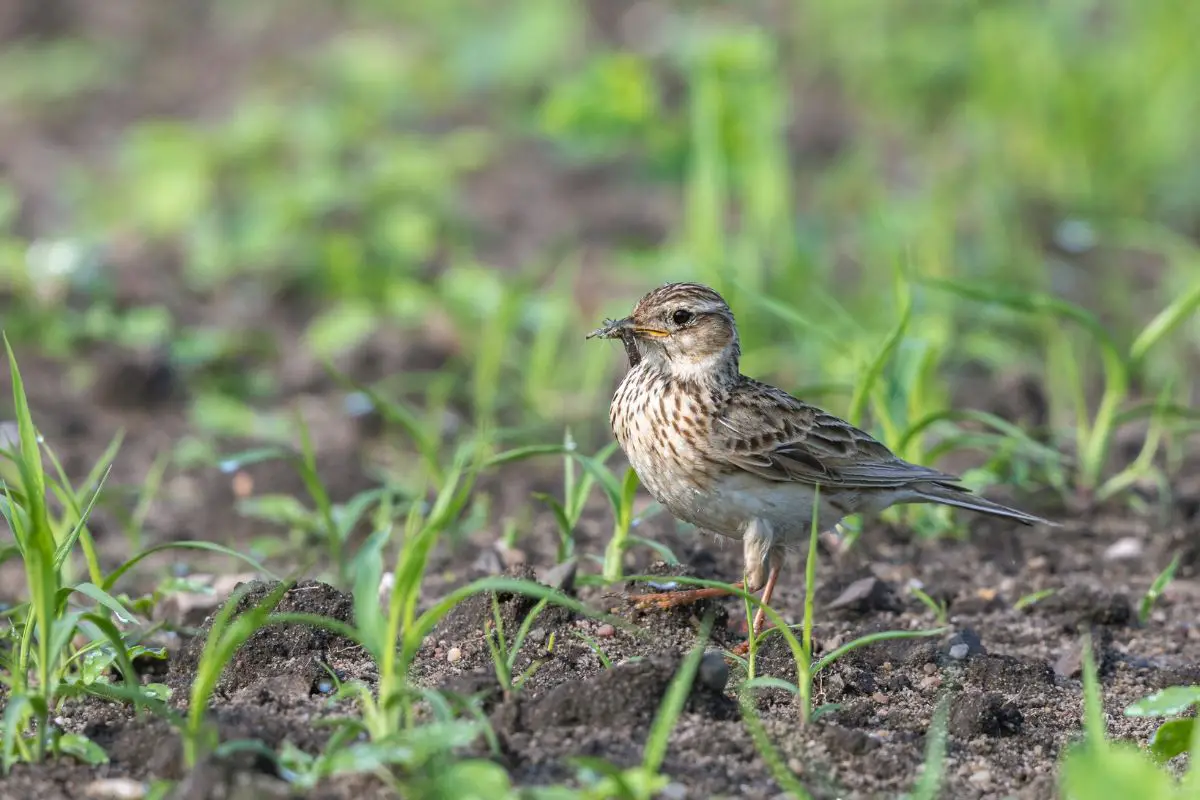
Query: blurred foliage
(827, 159)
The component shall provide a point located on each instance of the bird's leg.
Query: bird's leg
(763, 561)
(684, 597)
(761, 615)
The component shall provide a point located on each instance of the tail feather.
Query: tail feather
(961, 497)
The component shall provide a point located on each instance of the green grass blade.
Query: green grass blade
(872, 638)
(928, 786)
(862, 390)
(105, 599)
(82, 515)
(211, 547)
(1163, 324)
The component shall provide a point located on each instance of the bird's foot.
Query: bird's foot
(686, 597)
(743, 649)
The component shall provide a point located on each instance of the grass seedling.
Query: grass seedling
(393, 635)
(806, 669)
(929, 785)
(1096, 769)
(1094, 430)
(1156, 589)
(224, 638)
(37, 668)
(595, 647)
(801, 649)
(939, 608)
(504, 657)
(620, 493)
(1174, 736)
(1025, 601)
(576, 490)
(331, 524)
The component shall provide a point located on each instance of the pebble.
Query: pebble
(561, 576)
(981, 777)
(796, 766)
(673, 791)
(606, 631)
(965, 643)
(879, 697)
(1070, 663)
(931, 682)
(512, 557)
(454, 655)
(1124, 549)
(115, 789)
(537, 635)
(713, 672)
(866, 594)
(929, 668)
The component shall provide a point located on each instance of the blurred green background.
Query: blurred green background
(440, 197)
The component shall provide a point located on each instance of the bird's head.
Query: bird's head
(683, 329)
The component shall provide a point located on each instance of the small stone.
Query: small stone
(929, 668)
(1124, 549)
(606, 631)
(713, 672)
(1070, 663)
(796, 766)
(674, 791)
(880, 697)
(512, 557)
(981, 777)
(966, 643)
(931, 682)
(537, 635)
(115, 789)
(454, 655)
(866, 594)
(1037, 563)
(488, 562)
(561, 576)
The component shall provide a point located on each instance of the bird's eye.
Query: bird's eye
(682, 317)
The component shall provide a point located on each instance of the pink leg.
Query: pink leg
(760, 616)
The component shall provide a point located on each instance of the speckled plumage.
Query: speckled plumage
(741, 458)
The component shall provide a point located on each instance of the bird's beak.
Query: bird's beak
(612, 329)
(617, 328)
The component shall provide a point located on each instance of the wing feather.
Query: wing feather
(769, 433)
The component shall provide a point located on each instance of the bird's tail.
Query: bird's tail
(960, 497)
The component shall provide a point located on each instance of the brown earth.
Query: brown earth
(1015, 695)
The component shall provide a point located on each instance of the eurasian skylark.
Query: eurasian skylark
(741, 458)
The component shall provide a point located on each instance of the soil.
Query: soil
(1012, 676)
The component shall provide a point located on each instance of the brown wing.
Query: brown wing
(768, 432)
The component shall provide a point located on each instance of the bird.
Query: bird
(741, 458)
